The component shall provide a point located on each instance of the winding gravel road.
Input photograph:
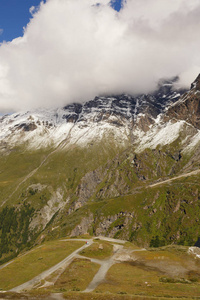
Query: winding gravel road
(105, 266)
(118, 250)
(99, 277)
(63, 264)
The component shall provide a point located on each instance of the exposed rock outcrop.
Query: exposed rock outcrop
(188, 107)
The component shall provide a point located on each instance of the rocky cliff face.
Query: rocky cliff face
(112, 166)
(188, 107)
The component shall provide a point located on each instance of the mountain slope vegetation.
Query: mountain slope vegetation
(90, 168)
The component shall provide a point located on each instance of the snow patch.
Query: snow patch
(159, 135)
(193, 142)
(194, 251)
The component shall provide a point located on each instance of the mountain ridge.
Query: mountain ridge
(91, 167)
(122, 111)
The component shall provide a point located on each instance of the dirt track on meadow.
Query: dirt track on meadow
(174, 178)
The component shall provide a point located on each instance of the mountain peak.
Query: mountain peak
(196, 83)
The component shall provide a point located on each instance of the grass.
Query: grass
(170, 254)
(15, 166)
(33, 295)
(83, 296)
(77, 276)
(131, 246)
(139, 279)
(155, 209)
(157, 255)
(126, 278)
(99, 250)
(108, 296)
(66, 170)
(35, 262)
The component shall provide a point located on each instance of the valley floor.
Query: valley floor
(103, 268)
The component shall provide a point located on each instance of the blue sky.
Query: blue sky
(116, 4)
(14, 15)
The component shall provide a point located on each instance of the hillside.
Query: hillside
(102, 268)
(91, 168)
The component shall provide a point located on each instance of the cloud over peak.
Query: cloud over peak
(73, 50)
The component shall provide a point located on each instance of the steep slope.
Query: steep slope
(188, 107)
(90, 168)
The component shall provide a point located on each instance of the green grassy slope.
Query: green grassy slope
(104, 188)
(34, 262)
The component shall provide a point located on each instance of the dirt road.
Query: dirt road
(61, 265)
(105, 266)
(118, 254)
(111, 240)
(174, 178)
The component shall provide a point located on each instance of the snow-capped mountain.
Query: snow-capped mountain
(122, 166)
(129, 119)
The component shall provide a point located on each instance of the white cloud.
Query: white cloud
(34, 9)
(73, 50)
(31, 10)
